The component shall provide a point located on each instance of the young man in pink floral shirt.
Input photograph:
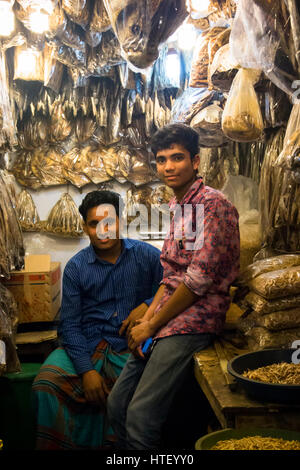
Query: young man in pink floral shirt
(200, 258)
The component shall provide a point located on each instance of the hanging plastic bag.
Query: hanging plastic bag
(27, 212)
(141, 27)
(242, 119)
(258, 41)
(47, 165)
(100, 21)
(78, 11)
(222, 70)
(28, 64)
(289, 158)
(53, 69)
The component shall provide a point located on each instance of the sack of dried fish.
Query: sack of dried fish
(275, 284)
(22, 170)
(46, 165)
(64, 219)
(27, 212)
(142, 26)
(72, 168)
(53, 69)
(262, 306)
(34, 60)
(281, 320)
(242, 119)
(100, 21)
(289, 158)
(106, 55)
(203, 55)
(78, 11)
(266, 265)
(92, 38)
(92, 164)
(261, 338)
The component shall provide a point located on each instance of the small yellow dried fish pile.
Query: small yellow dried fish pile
(64, 218)
(256, 443)
(27, 212)
(281, 373)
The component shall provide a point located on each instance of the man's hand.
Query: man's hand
(139, 333)
(94, 387)
(134, 315)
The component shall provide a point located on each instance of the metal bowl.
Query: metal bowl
(263, 391)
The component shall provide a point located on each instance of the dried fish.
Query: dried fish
(22, 170)
(93, 166)
(46, 165)
(27, 212)
(64, 218)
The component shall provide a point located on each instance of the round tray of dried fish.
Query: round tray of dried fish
(269, 375)
(250, 439)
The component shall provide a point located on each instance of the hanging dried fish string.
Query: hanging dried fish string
(27, 212)
(64, 218)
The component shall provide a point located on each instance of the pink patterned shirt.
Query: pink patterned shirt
(208, 269)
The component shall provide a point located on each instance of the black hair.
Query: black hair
(177, 133)
(95, 198)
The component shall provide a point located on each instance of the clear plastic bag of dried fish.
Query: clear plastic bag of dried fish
(289, 158)
(11, 239)
(73, 165)
(267, 265)
(263, 306)
(242, 119)
(117, 163)
(27, 212)
(46, 165)
(32, 131)
(53, 69)
(64, 219)
(141, 26)
(92, 164)
(78, 11)
(275, 284)
(22, 170)
(8, 330)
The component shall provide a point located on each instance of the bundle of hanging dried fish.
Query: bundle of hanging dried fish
(8, 329)
(78, 11)
(64, 219)
(141, 171)
(47, 165)
(53, 69)
(60, 127)
(92, 164)
(256, 443)
(22, 170)
(117, 167)
(73, 168)
(84, 128)
(100, 21)
(11, 240)
(33, 132)
(281, 373)
(27, 212)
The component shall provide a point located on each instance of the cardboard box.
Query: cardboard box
(37, 293)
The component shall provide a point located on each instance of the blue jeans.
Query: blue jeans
(139, 402)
